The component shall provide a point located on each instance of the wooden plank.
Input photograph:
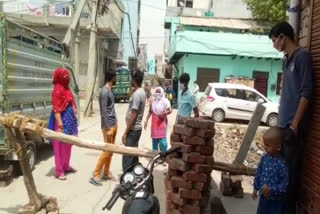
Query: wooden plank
(32, 127)
(251, 132)
(234, 169)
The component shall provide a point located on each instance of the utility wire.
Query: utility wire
(129, 19)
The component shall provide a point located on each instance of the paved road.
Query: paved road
(77, 195)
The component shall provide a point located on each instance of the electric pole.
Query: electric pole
(92, 63)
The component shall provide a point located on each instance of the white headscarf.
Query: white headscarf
(159, 103)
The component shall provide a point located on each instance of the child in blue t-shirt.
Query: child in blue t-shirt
(272, 178)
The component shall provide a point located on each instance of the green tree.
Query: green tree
(269, 10)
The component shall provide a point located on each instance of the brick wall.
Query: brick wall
(189, 174)
(304, 22)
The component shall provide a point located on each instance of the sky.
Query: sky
(152, 25)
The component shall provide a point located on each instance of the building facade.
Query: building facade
(211, 49)
(53, 18)
(131, 29)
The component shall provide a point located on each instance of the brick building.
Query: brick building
(309, 37)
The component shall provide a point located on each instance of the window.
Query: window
(279, 83)
(185, 3)
(251, 96)
(219, 92)
(189, 4)
(235, 93)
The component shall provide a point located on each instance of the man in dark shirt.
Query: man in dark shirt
(295, 99)
(109, 128)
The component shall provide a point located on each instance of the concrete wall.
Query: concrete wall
(131, 7)
(199, 4)
(220, 8)
(228, 66)
(238, 7)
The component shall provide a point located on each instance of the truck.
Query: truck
(122, 88)
(29, 60)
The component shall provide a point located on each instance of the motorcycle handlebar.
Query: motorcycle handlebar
(112, 200)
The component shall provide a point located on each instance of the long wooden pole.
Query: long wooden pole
(250, 133)
(32, 127)
(234, 169)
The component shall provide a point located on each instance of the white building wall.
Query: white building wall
(201, 4)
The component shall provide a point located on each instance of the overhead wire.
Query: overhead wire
(130, 28)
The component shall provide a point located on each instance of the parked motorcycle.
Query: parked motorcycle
(137, 189)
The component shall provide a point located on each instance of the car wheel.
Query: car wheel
(218, 115)
(31, 153)
(272, 120)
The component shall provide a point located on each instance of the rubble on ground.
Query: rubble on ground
(228, 140)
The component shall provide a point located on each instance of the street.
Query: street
(77, 196)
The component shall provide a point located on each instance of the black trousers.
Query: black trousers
(292, 151)
(132, 141)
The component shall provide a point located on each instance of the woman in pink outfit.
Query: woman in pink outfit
(63, 119)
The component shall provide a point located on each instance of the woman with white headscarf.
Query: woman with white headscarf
(159, 109)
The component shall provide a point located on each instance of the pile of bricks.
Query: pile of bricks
(189, 175)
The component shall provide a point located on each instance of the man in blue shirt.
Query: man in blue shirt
(186, 100)
(295, 99)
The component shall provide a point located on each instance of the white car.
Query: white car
(233, 101)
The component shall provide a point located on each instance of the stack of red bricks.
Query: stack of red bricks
(189, 174)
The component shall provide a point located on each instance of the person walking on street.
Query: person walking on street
(63, 119)
(186, 100)
(159, 110)
(134, 118)
(295, 99)
(109, 126)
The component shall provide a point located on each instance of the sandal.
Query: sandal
(62, 177)
(71, 170)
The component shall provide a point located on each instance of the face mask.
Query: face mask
(182, 87)
(157, 96)
(278, 43)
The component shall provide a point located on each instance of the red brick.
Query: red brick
(202, 203)
(200, 123)
(194, 140)
(183, 130)
(175, 137)
(194, 158)
(179, 182)
(194, 176)
(174, 212)
(210, 143)
(200, 186)
(187, 148)
(172, 173)
(190, 194)
(171, 156)
(202, 168)
(204, 150)
(205, 133)
(171, 206)
(178, 164)
(209, 161)
(174, 197)
(187, 209)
